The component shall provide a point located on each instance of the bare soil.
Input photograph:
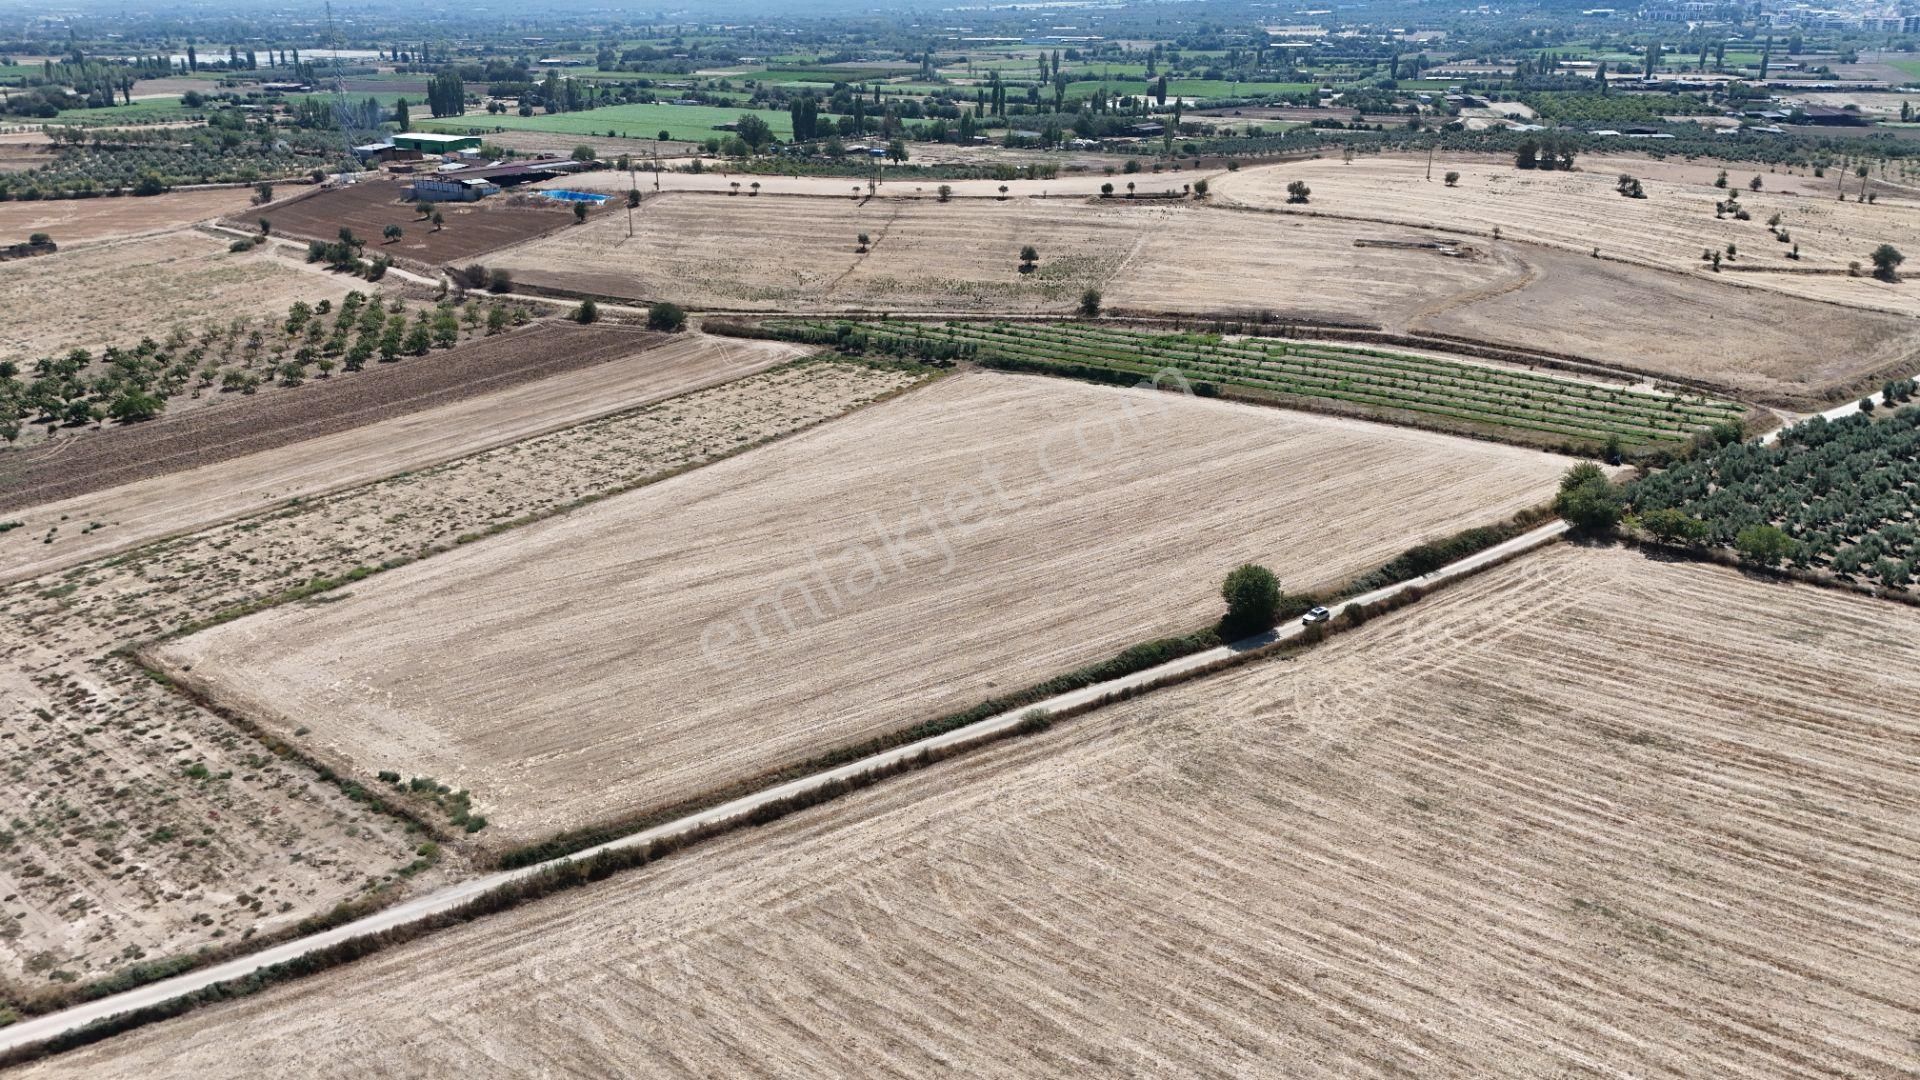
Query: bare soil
(115, 848)
(470, 229)
(1505, 833)
(762, 610)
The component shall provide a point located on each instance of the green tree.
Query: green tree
(1587, 500)
(753, 131)
(665, 316)
(134, 405)
(1297, 191)
(1673, 526)
(392, 233)
(1887, 260)
(1090, 304)
(587, 312)
(1252, 594)
(1764, 545)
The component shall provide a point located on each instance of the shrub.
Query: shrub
(587, 312)
(1034, 721)
(665, 316)
(1090, 304)
(1252, 594)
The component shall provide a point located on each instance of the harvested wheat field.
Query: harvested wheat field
(1201, 259)
(782, 253)
(1582, 209)
(905, 562)
(115, 294)
(1758, 346)
(1509, 832)
(360, 437)
(185, 821)
(78, 221)
(772, 253)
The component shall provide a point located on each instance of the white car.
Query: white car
(1317, 615)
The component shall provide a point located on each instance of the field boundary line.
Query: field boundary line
(464, 901)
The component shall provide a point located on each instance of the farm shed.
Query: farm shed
(453, 189)
(433, 142)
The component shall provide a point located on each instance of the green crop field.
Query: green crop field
(690, 122)
(155, 111)
(1520, 405)
(1198, 89)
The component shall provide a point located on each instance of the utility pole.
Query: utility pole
(633, 185)
(1435, 145)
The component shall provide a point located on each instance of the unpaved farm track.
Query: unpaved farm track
(74, 467)
(1507, 833)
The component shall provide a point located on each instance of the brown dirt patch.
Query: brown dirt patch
(470, 229)
(79, 221)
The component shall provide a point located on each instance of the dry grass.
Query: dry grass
(1587, 815)
(750, 615)
(122, 852)
(719, 251)
(792, 253)
(115, 294)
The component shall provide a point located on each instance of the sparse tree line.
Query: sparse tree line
(133, 384)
